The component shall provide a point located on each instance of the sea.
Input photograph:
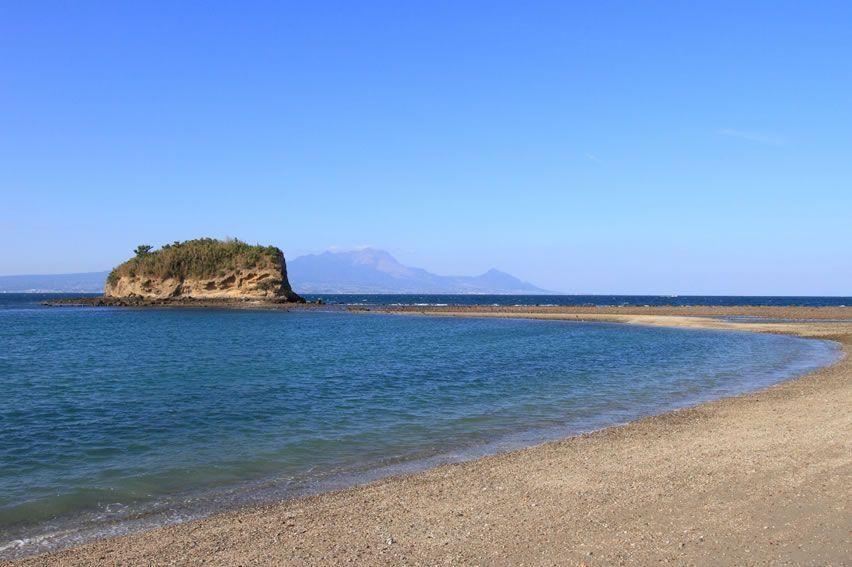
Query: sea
(115, 420)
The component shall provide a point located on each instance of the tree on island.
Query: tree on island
(143, 249)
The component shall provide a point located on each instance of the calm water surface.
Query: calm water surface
(561, 300)
(117, 419)
(582, 300)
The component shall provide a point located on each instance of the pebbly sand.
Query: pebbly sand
(757, 479)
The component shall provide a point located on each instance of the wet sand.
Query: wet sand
(762, 478)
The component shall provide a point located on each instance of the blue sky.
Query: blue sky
(590, 147)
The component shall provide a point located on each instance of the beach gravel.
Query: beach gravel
(757, 479)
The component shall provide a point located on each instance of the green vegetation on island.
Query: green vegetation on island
(199, 258)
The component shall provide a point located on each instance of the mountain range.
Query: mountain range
(369, 270)
(366, 270)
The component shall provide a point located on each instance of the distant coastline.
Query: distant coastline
(467, 301)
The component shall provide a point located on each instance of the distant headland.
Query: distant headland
(202, 269)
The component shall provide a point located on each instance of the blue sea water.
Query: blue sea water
(506, 300)
(118, 419)
(582, 300)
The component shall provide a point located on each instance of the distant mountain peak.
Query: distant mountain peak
(374, 256)
(495, 271)
(379, 260)
(360, 270)
(372, 270)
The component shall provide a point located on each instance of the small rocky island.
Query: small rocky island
(204, 270)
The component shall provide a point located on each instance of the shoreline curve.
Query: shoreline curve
(782, 449)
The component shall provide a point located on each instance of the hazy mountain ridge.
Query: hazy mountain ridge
(370, 270)
(367, 270)
(84, 282)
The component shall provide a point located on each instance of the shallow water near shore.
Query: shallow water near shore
(120, 419)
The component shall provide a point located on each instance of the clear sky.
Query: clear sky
(589, 147)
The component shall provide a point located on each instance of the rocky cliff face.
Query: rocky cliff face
(239, 284)
(214, 271)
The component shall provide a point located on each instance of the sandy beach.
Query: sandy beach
(757, 479)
